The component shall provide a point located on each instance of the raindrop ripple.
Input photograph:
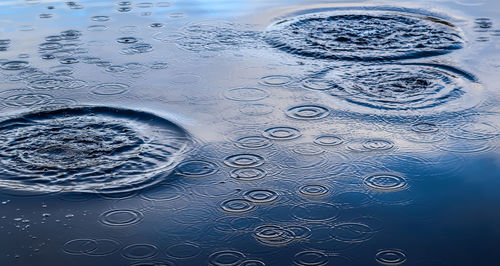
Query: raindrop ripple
(88, 149)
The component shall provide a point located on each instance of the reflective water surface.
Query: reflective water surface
(297, 132)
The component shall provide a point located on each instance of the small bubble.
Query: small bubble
(156, 25)
(127, 40)
(69, 60)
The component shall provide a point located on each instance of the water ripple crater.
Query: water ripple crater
(88, 149)
(364, 35)
(403, 89)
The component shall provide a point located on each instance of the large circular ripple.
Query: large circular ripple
(88, 149)
(403, 88)
(364, 35)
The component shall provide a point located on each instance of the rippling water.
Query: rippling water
(249, 133)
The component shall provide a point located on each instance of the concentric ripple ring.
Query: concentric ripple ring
(405, 88)
(88, 149)
(364, 35)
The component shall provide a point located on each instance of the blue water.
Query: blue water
(249, 132)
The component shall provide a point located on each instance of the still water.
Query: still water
(249, 132)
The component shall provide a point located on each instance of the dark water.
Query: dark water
(249, 132)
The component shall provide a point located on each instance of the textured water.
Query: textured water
(410, 88)
(88, 149)
(365, 35)
(249, 132)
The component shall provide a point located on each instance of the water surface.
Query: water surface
(249, 132)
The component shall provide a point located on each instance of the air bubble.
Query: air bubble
(127, 40)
